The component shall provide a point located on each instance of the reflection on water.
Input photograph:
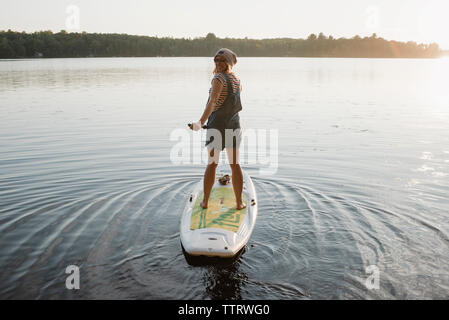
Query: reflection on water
(86, 179)
(222, 279)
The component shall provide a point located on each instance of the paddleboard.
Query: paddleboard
(220, 230)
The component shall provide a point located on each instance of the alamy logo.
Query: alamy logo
(372, 282)
(73, 280)
(372, 21)
(257, 147)
(72, 22)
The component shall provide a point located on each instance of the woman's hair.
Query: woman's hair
(229, 57)
(216, 70)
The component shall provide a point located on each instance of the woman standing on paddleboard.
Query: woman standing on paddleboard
(223, 124)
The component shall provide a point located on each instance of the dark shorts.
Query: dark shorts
(220, 139)
(225, 138)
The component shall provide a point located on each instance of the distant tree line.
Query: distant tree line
(64, 45)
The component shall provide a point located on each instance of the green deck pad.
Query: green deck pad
(221, 212)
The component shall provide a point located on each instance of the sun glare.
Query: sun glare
(433, 23)
(437, 85)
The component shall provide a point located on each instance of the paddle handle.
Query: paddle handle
(190, 125)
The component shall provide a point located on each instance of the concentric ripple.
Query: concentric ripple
(86, 179)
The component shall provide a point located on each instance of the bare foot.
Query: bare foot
(202, 205)
(241, 206)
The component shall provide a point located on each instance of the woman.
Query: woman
(223, 124)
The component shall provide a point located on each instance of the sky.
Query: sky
(422, 21)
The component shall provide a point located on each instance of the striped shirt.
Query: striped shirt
(235, 82)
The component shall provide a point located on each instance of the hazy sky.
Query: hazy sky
(416, 20)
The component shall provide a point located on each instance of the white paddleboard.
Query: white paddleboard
(220, 230)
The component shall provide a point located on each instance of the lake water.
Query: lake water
(358, 190)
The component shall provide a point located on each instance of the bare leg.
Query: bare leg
(237, 176)
(209, 176)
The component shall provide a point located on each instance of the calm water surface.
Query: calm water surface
(362, 179)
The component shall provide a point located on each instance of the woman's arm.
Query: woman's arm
(217, 86)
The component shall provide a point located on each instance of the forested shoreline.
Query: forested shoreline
(46, 44)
